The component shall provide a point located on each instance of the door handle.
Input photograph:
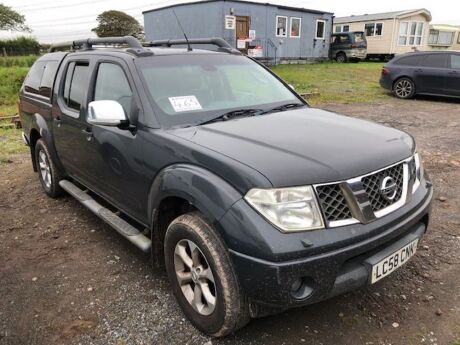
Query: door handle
(88, 132)
(58, 120)
(419, 70)
(453, 73)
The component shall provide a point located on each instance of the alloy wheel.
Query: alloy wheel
(403, 88)
(45, 169)
(195, 277)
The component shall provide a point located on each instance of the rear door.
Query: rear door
(431, 74)
(453, 75)
(67, 116)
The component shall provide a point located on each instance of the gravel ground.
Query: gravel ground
(67, 278)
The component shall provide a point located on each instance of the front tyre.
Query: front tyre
(404, 88)
(202, 277)
(48, 172)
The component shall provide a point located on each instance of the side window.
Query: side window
(75, 84)
(344, 39)
(47, 81)
(111, 84)
(435, 60)
(455, 61)
(408, 61)
(32, 82)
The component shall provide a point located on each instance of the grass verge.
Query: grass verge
(336, 83)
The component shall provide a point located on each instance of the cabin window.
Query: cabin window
(296, 24)
(281, 26)
(373, 29)
(411, 33)
(320, 29)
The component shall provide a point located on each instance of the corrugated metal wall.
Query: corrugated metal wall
(207, 20)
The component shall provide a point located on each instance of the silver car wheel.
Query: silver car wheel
(403, 88)
(45, 169)
(195, 277)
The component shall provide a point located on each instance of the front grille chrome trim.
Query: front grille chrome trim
(358, 201)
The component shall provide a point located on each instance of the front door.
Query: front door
(242, 33)
(115, 153)
(453, 75)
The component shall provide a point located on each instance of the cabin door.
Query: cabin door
(242, 33)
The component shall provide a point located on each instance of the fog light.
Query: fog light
(296, 285)
(302, 288)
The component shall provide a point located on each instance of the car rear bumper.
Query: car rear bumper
(386, 82)
(328, 274)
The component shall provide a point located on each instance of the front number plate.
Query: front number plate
(393, 261)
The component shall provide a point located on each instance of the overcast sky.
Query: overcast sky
(63, 20)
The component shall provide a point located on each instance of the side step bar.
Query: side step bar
(121, 226)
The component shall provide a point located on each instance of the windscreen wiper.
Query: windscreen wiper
(233, 114)
(284, 107)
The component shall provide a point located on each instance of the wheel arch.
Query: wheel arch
(401, 77)
(182, 188)
(340, 52)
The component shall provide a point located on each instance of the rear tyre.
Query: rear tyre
(341, 58)
(404, 88)
(202, 276)
(48, 173)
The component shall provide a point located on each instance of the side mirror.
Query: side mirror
(106, 113)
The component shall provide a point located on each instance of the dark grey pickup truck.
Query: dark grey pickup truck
(253, 201)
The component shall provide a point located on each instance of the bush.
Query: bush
(19, 46)
(11, 79)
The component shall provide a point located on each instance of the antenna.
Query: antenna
(183, 31)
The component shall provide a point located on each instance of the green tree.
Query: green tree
(116, 23)
(10, 20)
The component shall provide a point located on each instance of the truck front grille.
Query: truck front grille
(337, 204)
(333, 203)
(372, 186)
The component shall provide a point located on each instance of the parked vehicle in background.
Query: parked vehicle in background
(391, 33)
(425, 73)
(253, 200)
(348, 46)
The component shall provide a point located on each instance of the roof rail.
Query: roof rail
(133, 43)
(222, 44)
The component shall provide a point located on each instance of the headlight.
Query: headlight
(289, 209)
(418, 172)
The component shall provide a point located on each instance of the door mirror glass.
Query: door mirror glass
(106, 113)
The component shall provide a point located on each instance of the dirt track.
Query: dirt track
(67, 278)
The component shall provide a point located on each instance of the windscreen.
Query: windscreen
(189, 89)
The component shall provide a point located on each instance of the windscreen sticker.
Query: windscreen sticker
(185, 103)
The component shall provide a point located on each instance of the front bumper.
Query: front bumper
(327, 273)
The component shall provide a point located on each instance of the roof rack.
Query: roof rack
(222, 44)
(135, 47)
